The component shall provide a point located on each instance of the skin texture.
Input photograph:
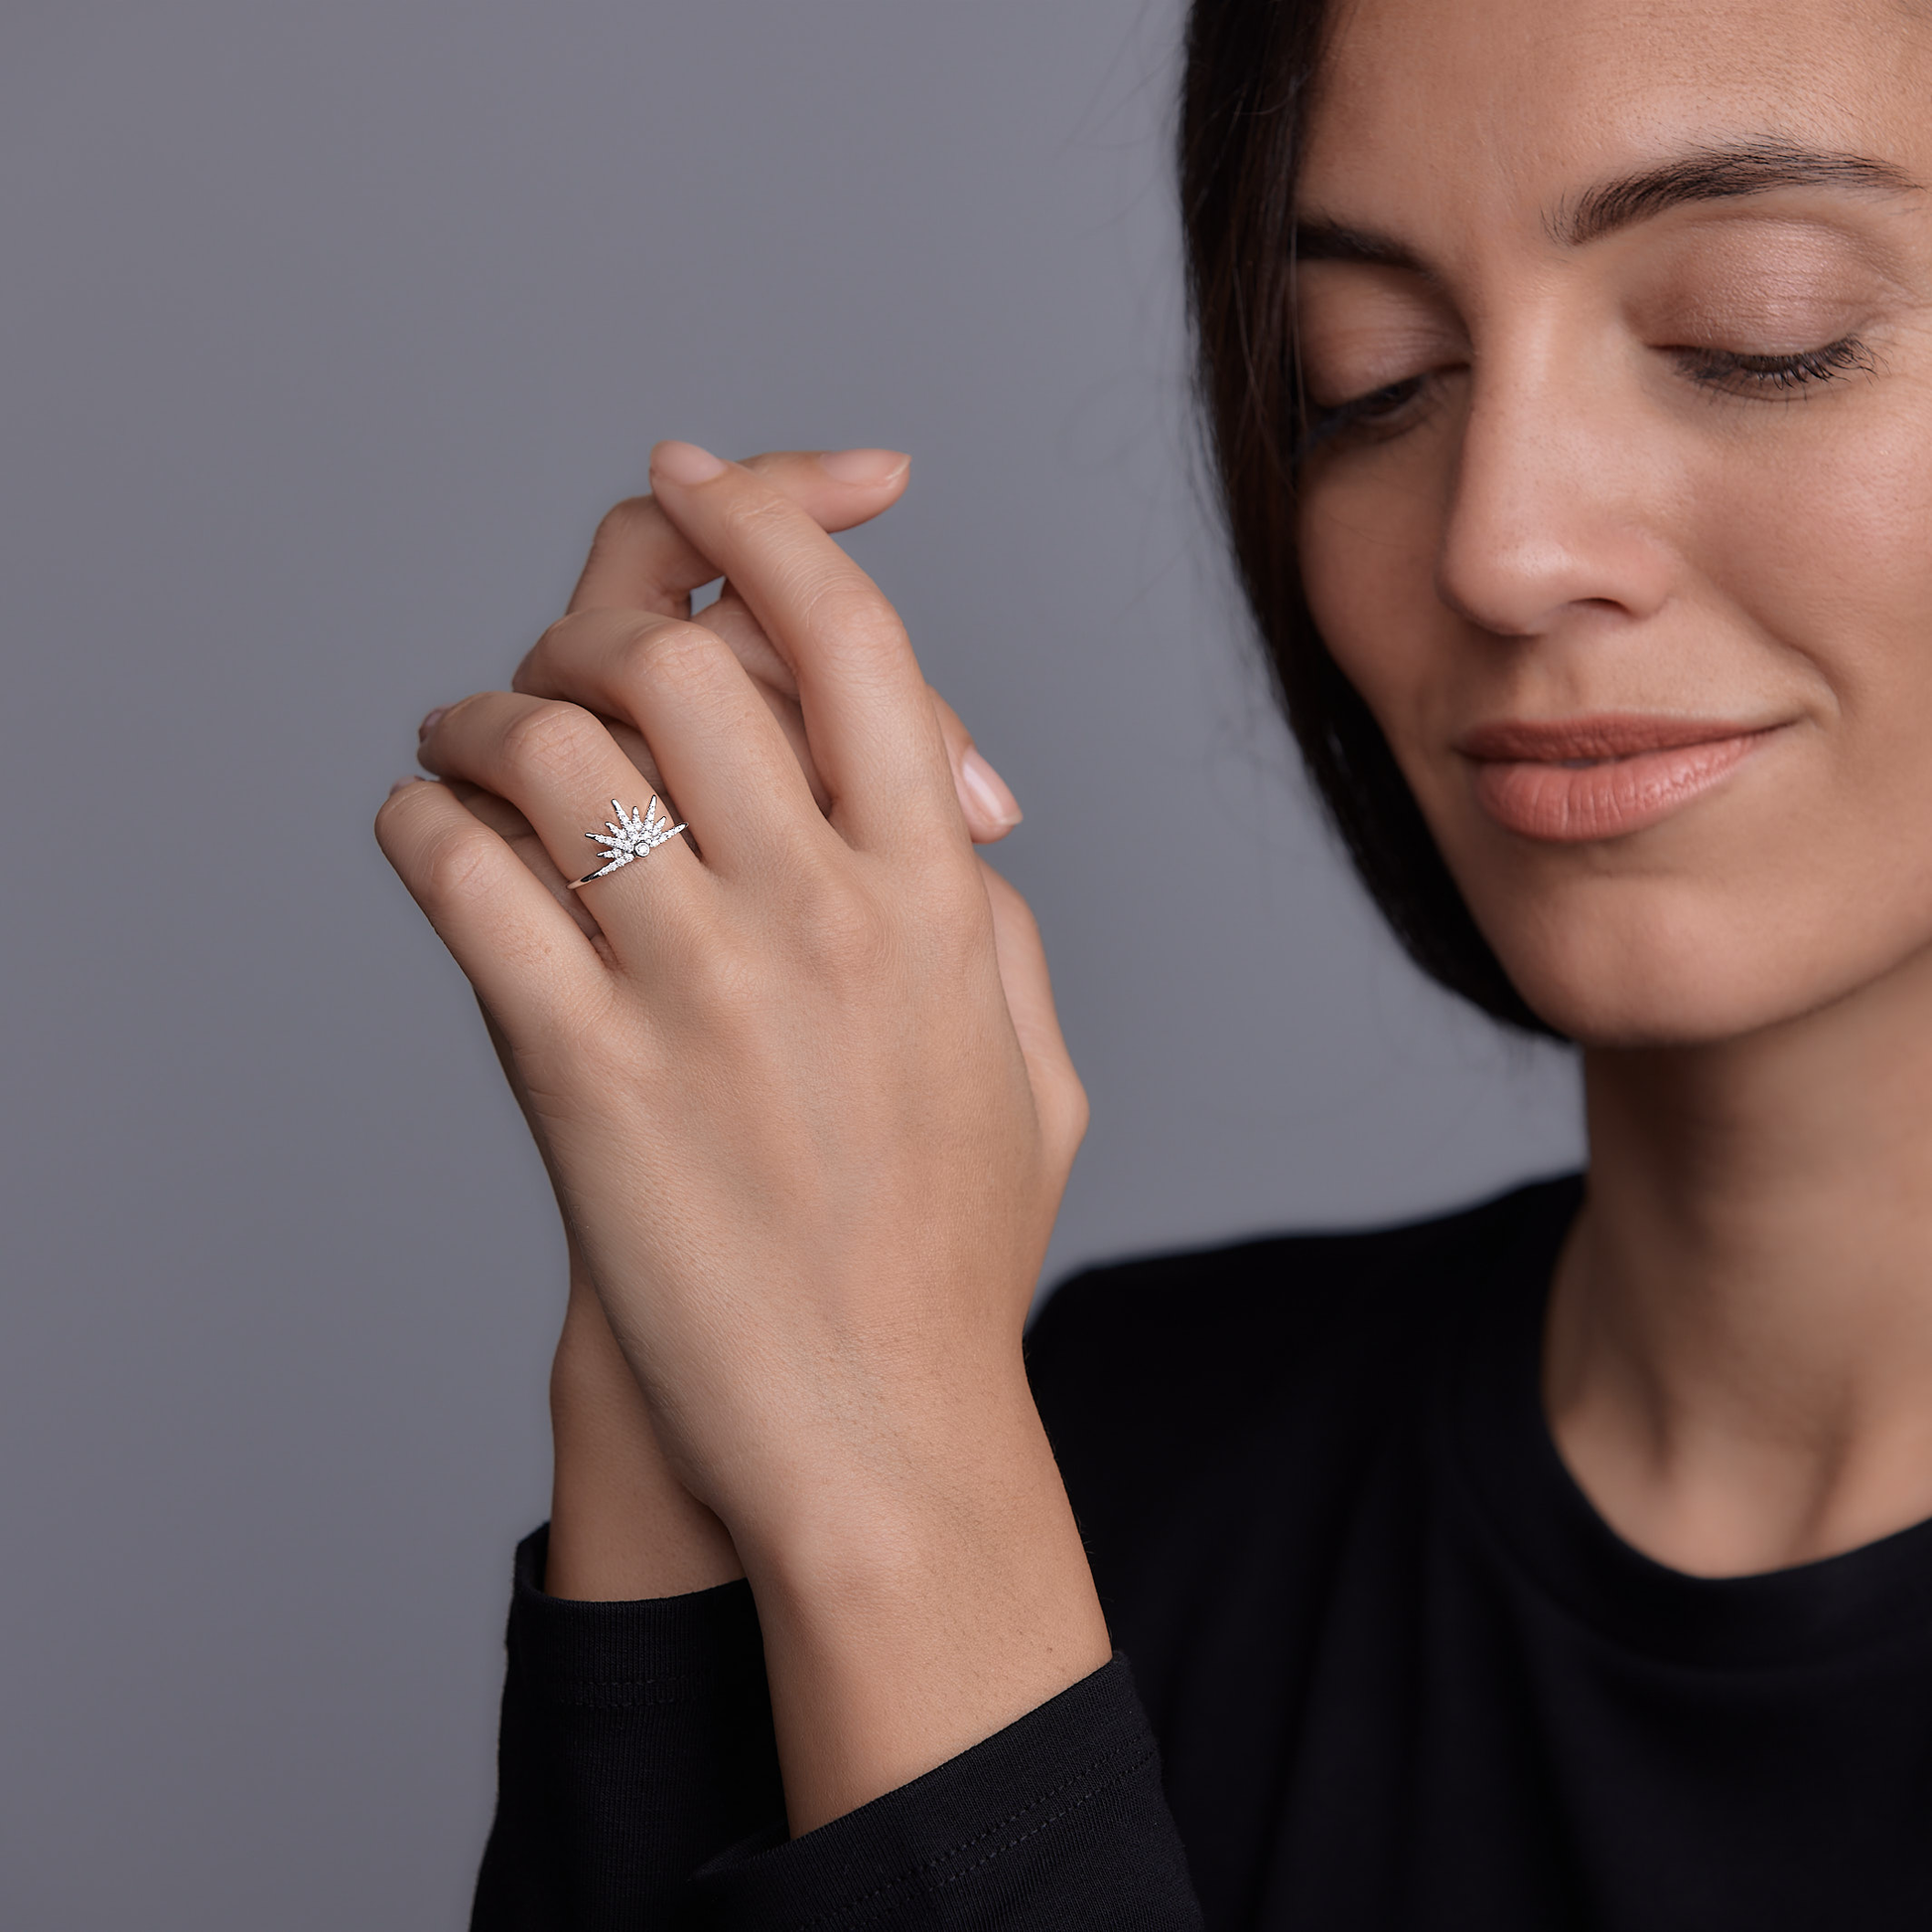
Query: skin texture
(807, 1111)
(1573, 498)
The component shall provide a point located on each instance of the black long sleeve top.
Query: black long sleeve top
(1381, 1665)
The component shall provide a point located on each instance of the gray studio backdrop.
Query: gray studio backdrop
(329, 330)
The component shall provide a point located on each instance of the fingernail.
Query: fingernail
(863, 465)
(429, 722)
(414, 779)
(989, 790)
(684, 463)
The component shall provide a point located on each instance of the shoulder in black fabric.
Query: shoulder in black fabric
(1148, 1373)
(1251, 1437)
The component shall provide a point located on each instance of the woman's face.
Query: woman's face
(1616, 325)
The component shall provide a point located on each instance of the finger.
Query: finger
(566, 663)
(872, 728)
(730, 618)
(571, 661)
(640, 560)
(987, 804)
(1057, 1091)
(625, 735)
(519, 835)
(724, 758)
(989, 808)
(560, 768)
(529, 963)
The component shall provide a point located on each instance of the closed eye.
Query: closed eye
(1380, 413)
(1775, 375)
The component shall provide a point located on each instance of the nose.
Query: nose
(1554, 498)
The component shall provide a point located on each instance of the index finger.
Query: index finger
(867, 710)
(641, 561)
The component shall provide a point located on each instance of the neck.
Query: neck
(1739, 1363)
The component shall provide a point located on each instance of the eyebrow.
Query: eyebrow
(1719, 174)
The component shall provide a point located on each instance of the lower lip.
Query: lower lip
(1568, 805)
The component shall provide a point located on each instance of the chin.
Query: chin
(1657, 1007)
(1653, 966)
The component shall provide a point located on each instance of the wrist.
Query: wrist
(622, 1527)
(909, 1616)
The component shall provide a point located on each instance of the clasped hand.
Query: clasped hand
(800, 1089)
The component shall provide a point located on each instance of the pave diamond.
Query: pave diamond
(630, 835)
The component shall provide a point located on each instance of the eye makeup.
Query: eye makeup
(1736, 305)
(1752, 306)
(1382, 413)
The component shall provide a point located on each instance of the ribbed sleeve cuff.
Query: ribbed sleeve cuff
(1056, 1822)
(635, 1744)
(619, 1656)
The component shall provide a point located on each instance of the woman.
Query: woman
(1561, 1563)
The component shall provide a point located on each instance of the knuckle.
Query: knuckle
(840, 931)
(755, 516)
(854, 616)
(547, 738)
(452, 864)
(674, 658)
(632, 657)
(725, 980)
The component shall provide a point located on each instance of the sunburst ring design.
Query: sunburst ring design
(628, 837)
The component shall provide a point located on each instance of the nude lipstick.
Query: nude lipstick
(1600, 778)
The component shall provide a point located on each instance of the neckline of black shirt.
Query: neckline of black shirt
(1823, 1613)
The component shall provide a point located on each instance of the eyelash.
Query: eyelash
(1376, 416)
(1776, 374)
(1359, 419)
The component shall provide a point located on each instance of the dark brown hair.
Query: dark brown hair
(1245, 92)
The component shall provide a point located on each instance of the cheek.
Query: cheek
(1368, 544)
(1370, 540)
(1826, 552)
(1822, 560)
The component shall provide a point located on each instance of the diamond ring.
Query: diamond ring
(629, 837)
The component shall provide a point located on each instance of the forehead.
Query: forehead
(1474, 111)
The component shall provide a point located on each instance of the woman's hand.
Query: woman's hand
(622, 1526)
(810, 1116)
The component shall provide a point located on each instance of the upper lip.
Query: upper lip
(1610, 735)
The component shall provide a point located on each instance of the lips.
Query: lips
(1600, 778)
